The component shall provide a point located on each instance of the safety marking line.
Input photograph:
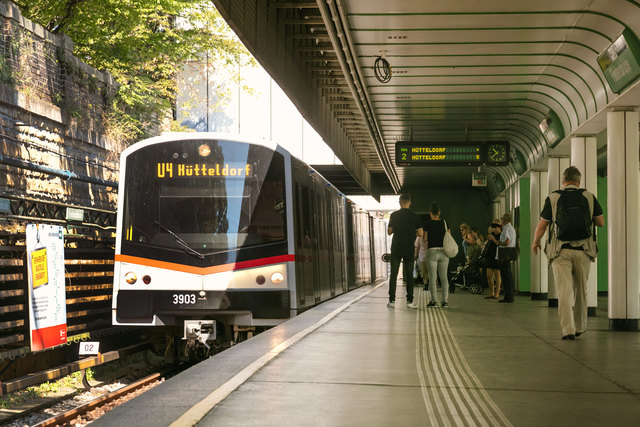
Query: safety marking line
(452, 393)
(197, 412)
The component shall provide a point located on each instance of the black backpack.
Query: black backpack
(573, 216)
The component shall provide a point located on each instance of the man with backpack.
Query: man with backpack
(571, 215)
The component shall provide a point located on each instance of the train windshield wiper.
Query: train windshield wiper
(188, 249)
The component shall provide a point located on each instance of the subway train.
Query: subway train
(215, 232)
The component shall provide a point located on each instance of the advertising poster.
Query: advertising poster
(47, 300)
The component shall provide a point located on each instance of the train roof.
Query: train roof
(185, 136)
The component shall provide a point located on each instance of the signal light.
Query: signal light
(277, 278)
(204, 150)
(131, 278)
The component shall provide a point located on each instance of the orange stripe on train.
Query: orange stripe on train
(205, 270)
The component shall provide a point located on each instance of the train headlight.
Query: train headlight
(146, 279)
(260, 280)
(204, 150)
(131, 278)
(277, 278)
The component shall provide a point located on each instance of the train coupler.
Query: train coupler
(200, 331)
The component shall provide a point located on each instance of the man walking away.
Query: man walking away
(571, 215)
(404, 225)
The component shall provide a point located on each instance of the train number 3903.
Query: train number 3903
(180, 299)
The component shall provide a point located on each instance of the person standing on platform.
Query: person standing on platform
(404, 225)
(492, 264)
(507, 239)
(437, 259)
(571, 215)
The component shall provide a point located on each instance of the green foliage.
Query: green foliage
(144, 44)
(70, 382)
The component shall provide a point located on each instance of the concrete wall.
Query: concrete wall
(52, 109)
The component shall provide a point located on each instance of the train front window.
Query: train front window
(232, 198)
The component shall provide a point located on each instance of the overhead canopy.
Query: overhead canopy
(461, 72)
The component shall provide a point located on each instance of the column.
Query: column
(539, 267)
(584, 157)
(501, 206)
(495, 209)
(556, 166)
(507, 201)
(622, 200)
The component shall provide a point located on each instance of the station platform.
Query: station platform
(354, 362)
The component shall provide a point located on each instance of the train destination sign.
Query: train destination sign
(202, 170)
(422, 154)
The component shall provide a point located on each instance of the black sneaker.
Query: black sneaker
(569, 337)
(432, 304)
(444, 304)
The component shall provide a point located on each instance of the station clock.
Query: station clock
(497, 153)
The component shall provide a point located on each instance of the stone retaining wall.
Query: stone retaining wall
(52, 113)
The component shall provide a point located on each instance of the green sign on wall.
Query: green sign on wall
(552, 128)
(620, 63)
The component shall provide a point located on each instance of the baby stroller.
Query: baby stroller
(469, 276)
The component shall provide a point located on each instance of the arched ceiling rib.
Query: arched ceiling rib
(462, 71)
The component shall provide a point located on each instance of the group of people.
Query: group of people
(571, 246)
(500, 233)
(408, 230)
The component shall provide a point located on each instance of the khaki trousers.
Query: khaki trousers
(571, 272)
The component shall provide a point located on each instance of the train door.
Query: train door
(350, 231)
(304, 229)
(330, 226)
(365, 266)
(357, 247)
(338, 253)
(372, 250)
(319, 238)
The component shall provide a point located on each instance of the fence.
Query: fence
(89, 282)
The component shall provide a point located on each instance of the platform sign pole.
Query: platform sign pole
(623, 185)
(47, 300)
(539, 268)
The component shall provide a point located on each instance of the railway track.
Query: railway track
(94, 409)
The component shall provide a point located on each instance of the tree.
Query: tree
(144, 44)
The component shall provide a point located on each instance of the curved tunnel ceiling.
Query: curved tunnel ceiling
(462, 71)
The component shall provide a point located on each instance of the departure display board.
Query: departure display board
(423, 154)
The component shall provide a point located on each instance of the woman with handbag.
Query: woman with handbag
(434, 236)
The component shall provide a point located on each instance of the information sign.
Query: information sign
(620, 63)
(417, 153)
(47, 302)
(479, 179)
(5, 206)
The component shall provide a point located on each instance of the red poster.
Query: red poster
(48, 337)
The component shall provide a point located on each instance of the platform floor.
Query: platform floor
(359, 363)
